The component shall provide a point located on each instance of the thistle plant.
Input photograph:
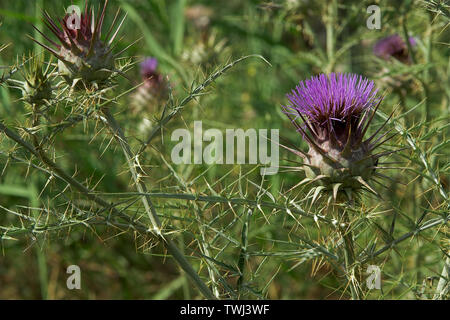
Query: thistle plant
(337, 110)
(81, 184)
(80, 50)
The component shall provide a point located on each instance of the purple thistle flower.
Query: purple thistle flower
(332, 104)
(152, 78)
(393, 46)
(336, 111)
(148, 67)
(154, 88)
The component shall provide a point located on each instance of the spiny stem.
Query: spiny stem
(136, 172)
(349, 256)
(205, 245)
(290, 207)
(192, 95)
(244, 239)
(59, 173)
(41, 258)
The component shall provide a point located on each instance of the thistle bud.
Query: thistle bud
(82, 54)
(36, 87)
(336, 111)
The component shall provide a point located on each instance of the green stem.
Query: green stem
(331, 37)
(56, 171)
(137, 173)
(426, 72)
(34, 199)
(349, 268)
(205, 245)
(349, 257)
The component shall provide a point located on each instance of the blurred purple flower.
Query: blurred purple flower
(154, 89)
(394, 46)
(152, 78)
(148, 67)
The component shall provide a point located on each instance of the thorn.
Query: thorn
(382, 126)
(380, 175)
(127, 47)
(48, 39)
(316, 194)
(363, 132)
(373, 147)
(117, 30)
(381, 184)
(102, 17)
(335, 190)
(307, 138)
(348, 147)
(56, 54)
(73, 47)
(378, 139)
(50, 23)
(381, 154)
(332, 134)
(396, 168)
(299, 153)
(113, 23)
(367, 185)
(307, 124)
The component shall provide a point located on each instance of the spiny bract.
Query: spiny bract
(81, 53)
(37, 88)
(336, 110)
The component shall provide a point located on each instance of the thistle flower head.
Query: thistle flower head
(333, 104)
(36, 89)
(82, 54)
(336, 110)
(393, 46)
